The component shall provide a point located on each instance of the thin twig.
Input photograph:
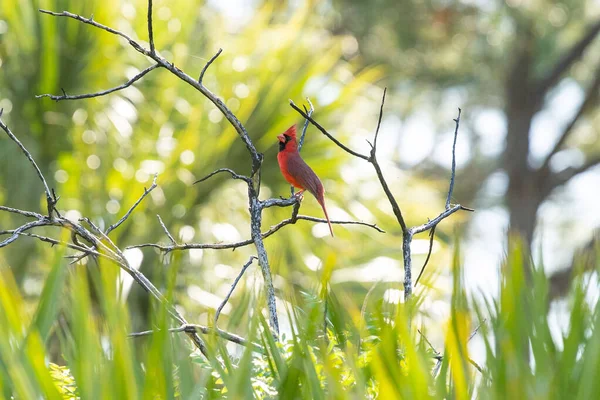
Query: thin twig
(162, 224)
(50, 199)
(235, 282)
(20, 230)
(591, 97)
(324, 131)
(380, 117)
(453, 174)
(90, 21)
(53, 242)
(472, 335)
(233, 175)
(128, 213)
(242, 243)
(150, 33)
(232, 337)
(431, 237)
(566, 61)
(103, 236)
(213, 58)
(445, 214)
(309, 112)
(292, 200)
(21, 212)
(130, 82)
(373, 160)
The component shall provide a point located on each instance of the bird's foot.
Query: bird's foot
(299, 195)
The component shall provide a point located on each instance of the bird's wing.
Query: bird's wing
(304, 176)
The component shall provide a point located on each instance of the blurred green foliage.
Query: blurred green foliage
(321, 356)
(100, 153)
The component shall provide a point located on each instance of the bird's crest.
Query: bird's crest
(291, 131)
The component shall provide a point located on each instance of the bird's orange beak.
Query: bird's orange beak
(281, 138)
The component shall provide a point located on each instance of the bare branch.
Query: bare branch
(373, 160)
(472, 335)
(571, 56)
(564, 176)
(407, 233)
(20, 230)
(445, 214)
(90, 21)
(235, 245)
(103, 236)
(86, 250)
(233, 175)
(162, 224)
(128, 213)
(333, 222)
(102, 93)
(232, 337)
(453, 173)
(590, 98)
(233, 120)
(308, 112)
(189, 246)
(50, 198)
(150, 33)
(263, 260)
(235, 282)
(380, 117)
(22, 212)
(280, 202)
(407, 237)
(324, 131)
(390, 196)
(213, 58)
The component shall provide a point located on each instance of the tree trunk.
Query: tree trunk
(524, 194)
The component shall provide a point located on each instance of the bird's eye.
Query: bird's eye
(287, 138)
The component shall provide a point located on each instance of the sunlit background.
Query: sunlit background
(433, 56)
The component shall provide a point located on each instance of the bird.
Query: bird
(297, 172)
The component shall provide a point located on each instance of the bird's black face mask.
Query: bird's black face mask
(282, 144)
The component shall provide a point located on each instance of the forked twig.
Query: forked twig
(407, 233)
(130, 82)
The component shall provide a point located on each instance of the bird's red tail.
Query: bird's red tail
(321, 201)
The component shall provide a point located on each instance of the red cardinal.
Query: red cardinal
(296, 171)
